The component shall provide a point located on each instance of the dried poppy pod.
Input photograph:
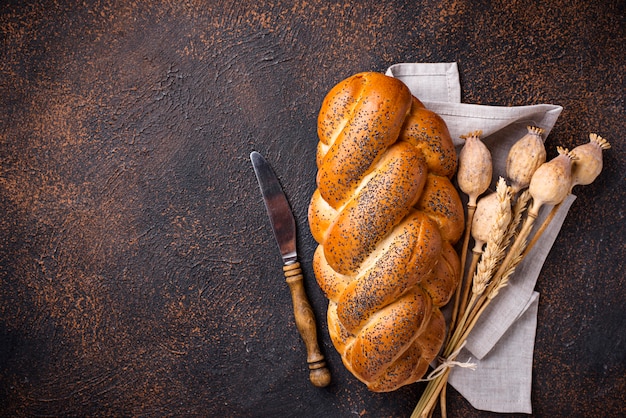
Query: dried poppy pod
(524, 157)
(475, 167)
(486, 217)
(589, 163)
(493, 215)
(551, 183)
(473, 176)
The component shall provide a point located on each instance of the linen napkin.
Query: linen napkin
(502, 343)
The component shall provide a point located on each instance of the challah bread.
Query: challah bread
(385, 216)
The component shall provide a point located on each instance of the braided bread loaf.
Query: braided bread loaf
(385, 216)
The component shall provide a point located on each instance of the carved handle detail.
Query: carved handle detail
(305, 322)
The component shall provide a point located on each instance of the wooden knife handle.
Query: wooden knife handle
(305, 322)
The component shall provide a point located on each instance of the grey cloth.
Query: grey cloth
(502, 343)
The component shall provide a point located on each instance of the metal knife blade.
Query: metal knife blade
(284, 227)
(278, 210)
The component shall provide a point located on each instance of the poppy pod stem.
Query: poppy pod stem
(473, 176)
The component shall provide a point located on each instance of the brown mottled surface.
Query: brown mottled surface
(138, 273)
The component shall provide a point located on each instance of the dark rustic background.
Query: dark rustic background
(139, 276)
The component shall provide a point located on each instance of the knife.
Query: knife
(284, 227)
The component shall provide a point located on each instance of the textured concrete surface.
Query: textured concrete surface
(138, 272)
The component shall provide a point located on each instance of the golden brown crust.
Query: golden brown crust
(412, 253)
(401, 370)
(431, 339)
(440, 285)
(385, 215)
(428, 132)
(359, 119)
(380, 342)
(414, 362)
(441, 202)
(321, 216)
(384, 199)
(332, 283)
